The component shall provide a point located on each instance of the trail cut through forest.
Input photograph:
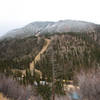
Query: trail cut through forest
(37, 58)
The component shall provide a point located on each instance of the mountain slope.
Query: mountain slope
(75, 44)
(37, 58)
(37, 28)
(72, 52)
(15, 52)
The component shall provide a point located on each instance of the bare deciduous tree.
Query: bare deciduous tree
(12, 89)
(89, 83)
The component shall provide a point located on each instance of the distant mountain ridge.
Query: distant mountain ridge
(37, 28)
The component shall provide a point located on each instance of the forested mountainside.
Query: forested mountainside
(18, 53)
(50, 53)
(72, 51)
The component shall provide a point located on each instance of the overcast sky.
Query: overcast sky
(17, 13)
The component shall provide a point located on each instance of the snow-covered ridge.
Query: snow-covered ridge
(52, 27)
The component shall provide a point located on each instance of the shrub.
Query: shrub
(44, 91)
(59, 88)
(89, 83)
(12, 89)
